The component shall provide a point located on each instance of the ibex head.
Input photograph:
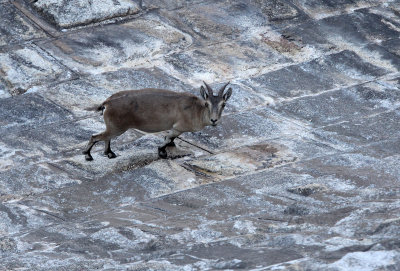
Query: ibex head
(214, 104)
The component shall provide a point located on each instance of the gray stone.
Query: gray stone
(205, 22)
(128, 187)
(245, 128)
(359, 131)
(171, 4)
(392, 45)
(66, 14)
(357, 27)
(361, 169)
(17, 181)
(113, 47)
(7, 245)
(203, 65)
(300, 174)
(239, 161)
(16, 219)
(14, 27)
(27, 111)
(52, 140)
(3, 92)
(350, 31)
(309, 36)
(244, 258)
(382, 260)
(75, 96)
(295, 209)
(212, 22)
(348, 103)
(278, 10)
(303, 147)
(384, 93)
(382, 149)
(24, 68)
(382, 56)
(76, 202)
(333, 71)
(306, 190)
(125, 79)
(320, 8)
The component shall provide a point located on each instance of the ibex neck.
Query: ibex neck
(205, 116)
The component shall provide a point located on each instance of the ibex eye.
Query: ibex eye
(206, 104)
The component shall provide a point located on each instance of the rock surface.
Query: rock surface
(302, 174)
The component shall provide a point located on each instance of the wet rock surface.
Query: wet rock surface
(301, 174)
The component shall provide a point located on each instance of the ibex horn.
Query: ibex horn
(210, 91)
(221, 91)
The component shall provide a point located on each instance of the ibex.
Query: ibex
(155, 110)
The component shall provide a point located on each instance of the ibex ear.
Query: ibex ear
(227, 94)
(203, 93)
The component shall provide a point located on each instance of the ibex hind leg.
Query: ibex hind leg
(169, 141)
(106, 137)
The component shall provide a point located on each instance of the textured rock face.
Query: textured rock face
(27, 67)
(301, 174)
(66, 14)
(14, 27)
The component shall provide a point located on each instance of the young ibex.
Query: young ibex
(155, 110)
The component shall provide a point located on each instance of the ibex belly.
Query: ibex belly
(141, 117)
(152, 124)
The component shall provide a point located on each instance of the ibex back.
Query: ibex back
(155, 110)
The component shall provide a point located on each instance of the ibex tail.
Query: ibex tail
(96, 108)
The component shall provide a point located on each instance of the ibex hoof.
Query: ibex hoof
(171, 144)
(162, 153)
(88, 157)
(111, 155)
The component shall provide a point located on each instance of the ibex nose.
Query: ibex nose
(213, 121)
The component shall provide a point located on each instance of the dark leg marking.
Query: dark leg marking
(88, 157)
(107, 150)
(172, 143)
(162, 153)
(89, 147)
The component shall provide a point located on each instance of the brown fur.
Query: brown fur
(152, 110)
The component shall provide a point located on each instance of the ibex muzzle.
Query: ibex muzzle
(155, 110)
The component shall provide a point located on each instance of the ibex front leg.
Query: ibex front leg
(107, 149)
(169, 141)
